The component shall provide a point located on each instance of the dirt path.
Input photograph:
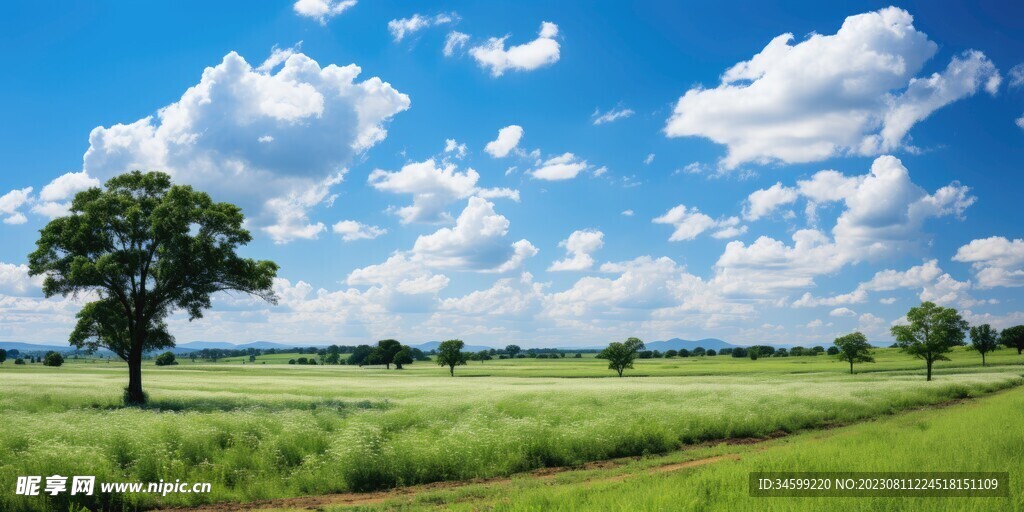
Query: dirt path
(370, 498)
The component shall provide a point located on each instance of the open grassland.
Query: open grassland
(887, 360)
(265, 431)
(980, 435)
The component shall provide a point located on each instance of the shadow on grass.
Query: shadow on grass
(214, 404)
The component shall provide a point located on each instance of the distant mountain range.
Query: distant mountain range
(676, 344)
(432, 345)
(262, 345)
(31, 347)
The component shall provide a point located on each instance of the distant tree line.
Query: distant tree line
(931, 332)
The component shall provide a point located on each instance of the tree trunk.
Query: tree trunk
(135, 396)
(851, 367)
(451, 370)
(983, 359)
(929, 363)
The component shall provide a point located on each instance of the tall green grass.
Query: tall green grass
(259, 432)
(985, 435)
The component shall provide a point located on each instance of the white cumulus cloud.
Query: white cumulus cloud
(562, 167)
(322, 10)
(508, 139)
(476, 242)
(352, 230)
(540, 52)
(997, 261)
(267, 140)
(852, 92)
(690, 223)
(579, 248)
(433, 188)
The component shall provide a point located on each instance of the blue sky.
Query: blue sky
(661, 170)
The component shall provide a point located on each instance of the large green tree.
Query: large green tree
(450, 354)
(853, 348)
(1013, 337)
(932, 331)
(402, 357)
(145, 248)
(620, 355)
(984, 339)
(385, 352)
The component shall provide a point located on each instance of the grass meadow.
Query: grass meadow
(979, 435)
(258, 431)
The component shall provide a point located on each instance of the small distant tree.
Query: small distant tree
(698, 352)
(932, 332)
(450, 354)
(19, 361)
(359, 355)
(620, 356)
(3, 355)
(53, 359)
(252, 358)
(710, 352)
(684, 352)
(513, 350)
(797, 351)
(291, 361)
(739, 352)
(192, 356)
(671, 353)
(402, 358)
(1013, 337)
(753, 353)
(418, 354)
(484, 355)
(853, 348)
(832, 351)
(781, 353)
(166, 359)
(984, 339)
(579, 355)
(645, 354)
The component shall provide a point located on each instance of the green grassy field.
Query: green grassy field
(277, 430)
(980, 435)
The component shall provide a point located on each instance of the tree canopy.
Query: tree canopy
(984, 339)
(402, 357)
(620, 355)
(1013, 337)
(853, 348)
(384, 353)
(931, 332)
(450, 354)
(145, 248)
